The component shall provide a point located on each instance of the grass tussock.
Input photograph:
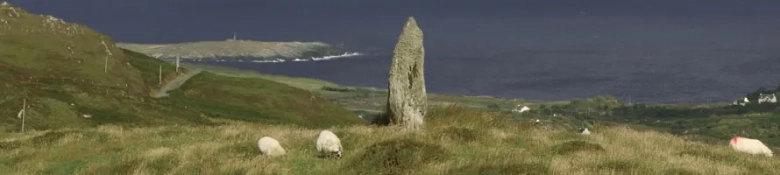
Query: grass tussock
(395, 156)
(456, 140)
(576, 146)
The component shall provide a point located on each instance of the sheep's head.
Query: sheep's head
(734, 140)
(338, 153)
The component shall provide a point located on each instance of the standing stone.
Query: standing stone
(407, 99)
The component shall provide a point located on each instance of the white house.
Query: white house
(767, 98)
(741, 102)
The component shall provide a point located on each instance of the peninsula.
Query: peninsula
(240, 50)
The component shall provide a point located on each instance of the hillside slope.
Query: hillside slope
(456, 140)
(60, 69)
(38, 47)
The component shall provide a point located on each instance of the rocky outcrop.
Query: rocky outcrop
(407, 99)
(239, 50)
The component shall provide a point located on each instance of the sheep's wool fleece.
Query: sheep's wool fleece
(270, 147)
(585, 132)
(328, 142)
(750, 146)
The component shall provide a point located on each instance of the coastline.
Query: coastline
(273, 60)
(241, 51)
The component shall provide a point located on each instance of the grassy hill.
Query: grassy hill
(85, 118)
(60, 68)
(40, 47)
(457, 140)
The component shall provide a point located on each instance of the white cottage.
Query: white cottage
(767, 98)
(741, 102)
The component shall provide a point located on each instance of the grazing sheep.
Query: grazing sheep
(329, 145)
(519, 109)
(524, 109)
(750, 146)
(270, 147)
(584, 131)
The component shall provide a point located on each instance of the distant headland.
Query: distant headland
(234, 49)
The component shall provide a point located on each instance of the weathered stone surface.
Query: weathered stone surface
(407, 99)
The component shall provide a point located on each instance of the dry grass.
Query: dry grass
(456, 141)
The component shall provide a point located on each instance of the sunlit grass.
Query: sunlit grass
(456, 140)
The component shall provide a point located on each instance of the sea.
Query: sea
(649, 59)
(651, 51)
(551, 77)
(644, 59)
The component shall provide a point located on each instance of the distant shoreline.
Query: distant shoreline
(241, 51)
(267, 60)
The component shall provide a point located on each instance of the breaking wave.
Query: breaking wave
(345, 55)
(279, 60)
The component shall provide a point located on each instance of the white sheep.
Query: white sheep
(585, 131)
(328, 144)
(270, 147)
(524, 109)
(750, 146)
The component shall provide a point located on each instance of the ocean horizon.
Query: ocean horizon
(654, 51)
